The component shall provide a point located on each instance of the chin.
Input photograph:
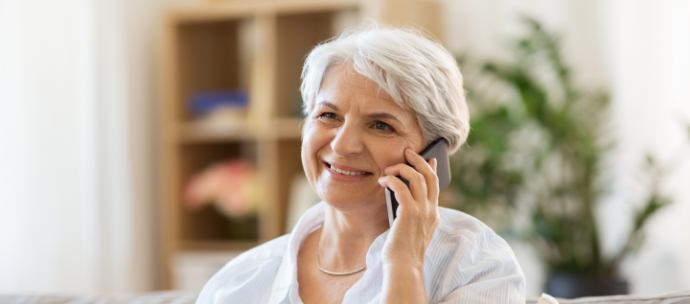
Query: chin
(344, 199)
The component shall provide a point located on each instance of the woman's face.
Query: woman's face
(353, 133)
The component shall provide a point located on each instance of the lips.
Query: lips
(346, 170)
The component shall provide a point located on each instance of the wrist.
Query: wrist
(404, 261)
(403, 281)
(403, 266)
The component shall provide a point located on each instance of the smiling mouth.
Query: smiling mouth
(346, 172)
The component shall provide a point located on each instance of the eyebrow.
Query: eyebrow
(375, 115)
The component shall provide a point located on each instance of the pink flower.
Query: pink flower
(231, 186)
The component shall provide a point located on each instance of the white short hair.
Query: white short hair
(418, 73)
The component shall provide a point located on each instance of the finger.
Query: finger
(401, 191)
(417, 182)
(426, 169)
(433, 185)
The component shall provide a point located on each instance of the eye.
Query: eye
(383, 127)
(327, 116)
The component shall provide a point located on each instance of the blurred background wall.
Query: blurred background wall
(77, 92)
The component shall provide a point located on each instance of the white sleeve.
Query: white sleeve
(488, 272)
(507, 289)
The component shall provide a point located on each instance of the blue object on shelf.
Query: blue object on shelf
(207, 102)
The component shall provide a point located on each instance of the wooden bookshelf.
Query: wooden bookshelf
(258, 47)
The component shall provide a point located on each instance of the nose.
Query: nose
(347, 140)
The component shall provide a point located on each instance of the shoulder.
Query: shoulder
(257, 257)
(273, 249)
(468, 255)
(463, 229)
(250, 270)
(457, 223)
(472, 240)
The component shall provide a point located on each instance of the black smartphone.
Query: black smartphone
(437, 149)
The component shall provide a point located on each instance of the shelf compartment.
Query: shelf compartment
(296, 35)
(210, 59)
(286, 166)
(208, 224)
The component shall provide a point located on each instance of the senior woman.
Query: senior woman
(373, 99)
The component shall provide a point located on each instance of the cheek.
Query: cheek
(386, 154)
(312, 142)
(304, 153)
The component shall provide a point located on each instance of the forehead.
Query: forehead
(343, 85)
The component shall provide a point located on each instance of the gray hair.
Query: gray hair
(417, 73)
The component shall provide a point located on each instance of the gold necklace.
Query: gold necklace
(334, 273)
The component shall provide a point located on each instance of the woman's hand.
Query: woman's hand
(417, 214)
(403, 252)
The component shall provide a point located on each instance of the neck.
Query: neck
(347, 234)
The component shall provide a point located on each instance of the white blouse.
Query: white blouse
(466, 262)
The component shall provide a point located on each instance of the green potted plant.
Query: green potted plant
(536, 148)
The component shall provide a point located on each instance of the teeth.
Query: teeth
(344, 172)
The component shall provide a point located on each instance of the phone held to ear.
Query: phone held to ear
(437, 149)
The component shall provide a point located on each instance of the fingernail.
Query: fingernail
(381, 181)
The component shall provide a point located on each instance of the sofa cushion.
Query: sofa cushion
(163, 297)
(669, 298)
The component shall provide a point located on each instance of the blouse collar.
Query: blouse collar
(285, 284)
(287, 272)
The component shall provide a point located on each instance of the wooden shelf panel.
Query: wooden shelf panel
(191, 246)
(218, 10)
(190, 133)
(283, 128)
